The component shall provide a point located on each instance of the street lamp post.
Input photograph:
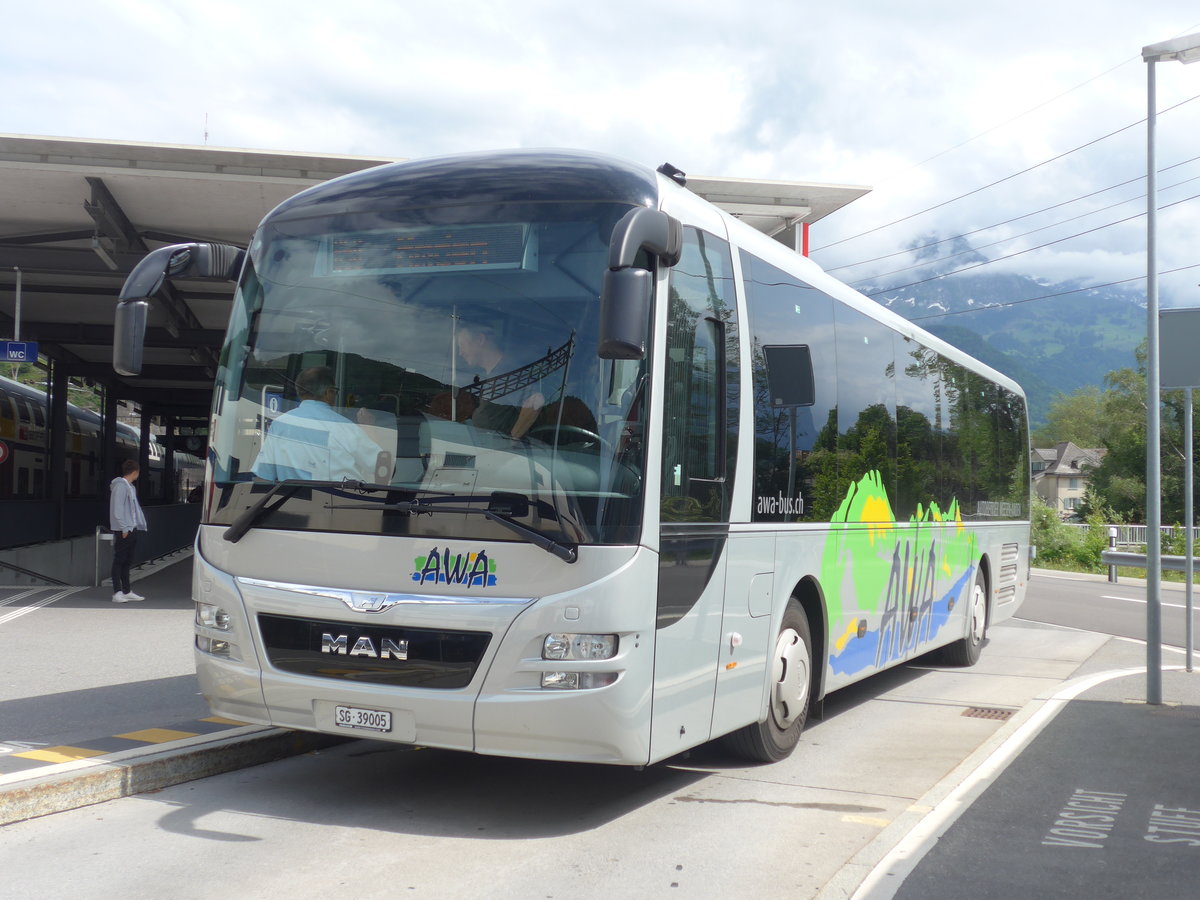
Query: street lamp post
(1186, 50)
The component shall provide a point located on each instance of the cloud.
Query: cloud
(927, 103)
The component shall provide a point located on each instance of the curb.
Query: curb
(82, 783)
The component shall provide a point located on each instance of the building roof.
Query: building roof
(1068, 459)
(79, 214)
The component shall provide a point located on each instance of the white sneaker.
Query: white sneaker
(121, 597)
(130, 595)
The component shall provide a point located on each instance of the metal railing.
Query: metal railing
(1130, 535)
(1113, 558)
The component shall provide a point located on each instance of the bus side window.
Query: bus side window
(795, 396)
(699, 448)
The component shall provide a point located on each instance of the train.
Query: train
(25, 452)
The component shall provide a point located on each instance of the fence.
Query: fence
(1132, 535)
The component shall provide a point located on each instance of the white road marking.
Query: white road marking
(8, 601)
(1143, 600)
(46, 601)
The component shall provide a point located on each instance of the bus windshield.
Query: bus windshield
(449, 352)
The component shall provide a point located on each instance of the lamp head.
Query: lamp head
(1186, 49)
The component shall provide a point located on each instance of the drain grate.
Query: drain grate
(984, 712)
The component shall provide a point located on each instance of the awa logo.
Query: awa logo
(465, 569)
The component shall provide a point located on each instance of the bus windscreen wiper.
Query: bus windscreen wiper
(501, 507)
(284, 490)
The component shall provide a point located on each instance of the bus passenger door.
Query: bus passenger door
(745, 632)
(699, 448)
(691, 587)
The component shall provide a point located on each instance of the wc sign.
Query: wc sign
(20, 351)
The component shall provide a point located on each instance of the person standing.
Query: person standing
(126, 519)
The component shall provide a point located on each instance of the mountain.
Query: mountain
(1049, 346)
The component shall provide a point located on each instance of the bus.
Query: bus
(541, 455)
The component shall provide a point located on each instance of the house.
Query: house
(1060, 475)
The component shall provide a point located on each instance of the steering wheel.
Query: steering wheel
(569, 435)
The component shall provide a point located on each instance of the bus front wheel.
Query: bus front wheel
(790, 694)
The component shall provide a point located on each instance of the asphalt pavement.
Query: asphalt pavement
(1046, 775)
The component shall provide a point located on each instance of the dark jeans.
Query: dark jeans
(122, 560)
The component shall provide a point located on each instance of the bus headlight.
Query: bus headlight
(211, 616)
(579, 646)
(577, 681)
(215, 647)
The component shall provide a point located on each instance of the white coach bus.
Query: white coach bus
(539, 454)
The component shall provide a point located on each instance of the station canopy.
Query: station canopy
(79, 214)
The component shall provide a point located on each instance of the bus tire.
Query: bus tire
(965, 652)
(790, 694)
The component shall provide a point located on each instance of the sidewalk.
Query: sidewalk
(100, 700)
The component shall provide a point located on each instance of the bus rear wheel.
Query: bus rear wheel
(790, 694)
(965, 652)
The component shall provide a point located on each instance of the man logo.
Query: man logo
(364, 646)
(368, 602)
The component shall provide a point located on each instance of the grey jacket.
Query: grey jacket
(124, 513)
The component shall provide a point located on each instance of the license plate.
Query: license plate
(357, 717)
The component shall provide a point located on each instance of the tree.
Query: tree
(1119, 482)
(1078, 417)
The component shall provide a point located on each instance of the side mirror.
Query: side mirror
(625, 298)
(129, 336)
(200, 260)
(625, 313)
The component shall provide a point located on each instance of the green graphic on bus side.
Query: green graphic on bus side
(890, 586)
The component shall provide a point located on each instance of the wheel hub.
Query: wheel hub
(978, 613)
(791, 677)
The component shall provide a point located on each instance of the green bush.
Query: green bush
(1062, 546)
(1174, 542)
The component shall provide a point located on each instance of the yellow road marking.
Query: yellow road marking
(867, 820)
(60, 754)
(221, 720)
(157, 735)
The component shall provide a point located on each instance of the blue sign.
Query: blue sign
(19, 351)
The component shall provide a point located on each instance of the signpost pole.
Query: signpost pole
(1189, 460)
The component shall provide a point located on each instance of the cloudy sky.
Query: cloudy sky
(927, 102)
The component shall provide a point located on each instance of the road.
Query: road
(1082, 601)
(371, 819)
(381, 820)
